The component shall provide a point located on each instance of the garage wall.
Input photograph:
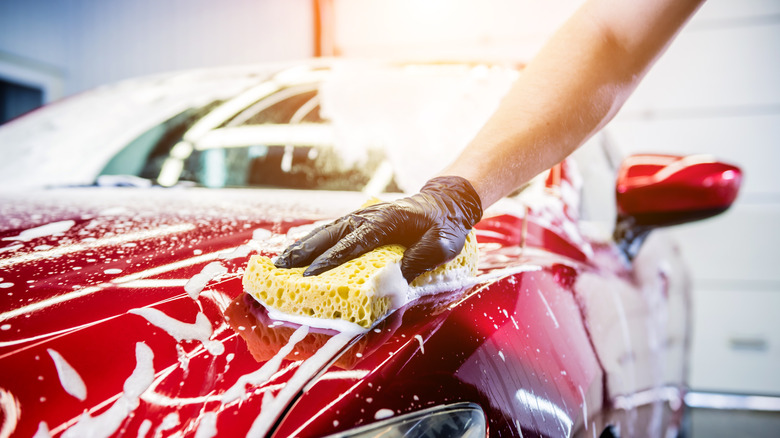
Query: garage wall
(87, 42)
(717, 91)
(444, 29)
(32, 48)
(114, 40)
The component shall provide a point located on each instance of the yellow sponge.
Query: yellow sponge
(360, 291)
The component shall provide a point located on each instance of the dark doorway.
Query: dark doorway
(17, 99)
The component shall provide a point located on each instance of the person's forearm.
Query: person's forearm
(569, 91)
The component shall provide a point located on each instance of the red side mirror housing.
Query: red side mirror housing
(662, 190)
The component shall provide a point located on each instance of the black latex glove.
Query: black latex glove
(432, 224)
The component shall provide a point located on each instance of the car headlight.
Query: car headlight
(456, 420)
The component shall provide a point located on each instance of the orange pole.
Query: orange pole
(323, 28)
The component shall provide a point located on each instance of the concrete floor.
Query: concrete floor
(713, 423)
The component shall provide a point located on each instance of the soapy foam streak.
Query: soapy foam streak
(273, 406)
(11, 411)
(238, 390)
(383, 413)
(43, 231)
(237, 252)
(498, 274)
(199, 281)
(420, 340)
(107, 423)
(207, 427)
(101, 242)
(42, 432)
(69, 378)
(455, 279)
(144, 428)
(338, 325)
(11, 248)
(200, 330)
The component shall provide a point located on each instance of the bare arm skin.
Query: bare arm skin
(570, 90)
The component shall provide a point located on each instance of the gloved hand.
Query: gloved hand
(432, 224)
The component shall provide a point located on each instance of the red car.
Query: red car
(128, 215)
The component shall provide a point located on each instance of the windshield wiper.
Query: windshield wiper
(122, 181)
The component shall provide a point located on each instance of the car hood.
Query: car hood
(122, 310)
(114, 297)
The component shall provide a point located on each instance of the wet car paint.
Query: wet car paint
(538, 343)
(522, 385)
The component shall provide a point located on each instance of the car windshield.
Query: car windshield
(279, 141)
(375, 128)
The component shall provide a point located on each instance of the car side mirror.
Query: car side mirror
(661, 190)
